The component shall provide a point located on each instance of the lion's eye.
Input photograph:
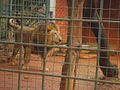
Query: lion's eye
(55, 33)
(49, 32)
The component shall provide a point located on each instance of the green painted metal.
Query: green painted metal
(22, 6)
(70, 42)
(99, 17)
(1, 6)
(19, 9)
(2, 32)
(45, 48)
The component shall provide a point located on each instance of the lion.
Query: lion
(37, 34)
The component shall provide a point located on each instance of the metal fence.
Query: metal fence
(87, 58)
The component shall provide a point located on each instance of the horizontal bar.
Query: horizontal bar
(59, 76)
(61, 19)
(59, 46)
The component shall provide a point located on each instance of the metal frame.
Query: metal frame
(70, 77)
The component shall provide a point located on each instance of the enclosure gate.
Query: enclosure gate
(86, 59)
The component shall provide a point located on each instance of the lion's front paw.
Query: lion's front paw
(26, 67)
(46, 69)
(13, 63)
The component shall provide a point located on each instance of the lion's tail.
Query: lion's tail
(13, 24)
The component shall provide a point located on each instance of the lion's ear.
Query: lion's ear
(53, 25)
(50, 27)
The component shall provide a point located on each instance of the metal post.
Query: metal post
(67, 83)
(69, 68)
(99, 41)
(21, 41)
(1, 7)
(45, 48)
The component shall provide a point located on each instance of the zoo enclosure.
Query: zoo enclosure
(23, 9)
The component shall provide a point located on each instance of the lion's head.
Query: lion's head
(54, 36)
(53, 33)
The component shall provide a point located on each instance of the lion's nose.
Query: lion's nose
(60, 40)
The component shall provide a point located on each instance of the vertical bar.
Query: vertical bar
(119, 26)
(67, 83)
(69, 68)
(45, 48)
(21, 40)
(78, 33)
(109, 15)
(0, 14)
(1, 7)
(70, 84)
(10, 7)
(99, 41)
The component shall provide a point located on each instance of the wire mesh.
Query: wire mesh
(86, 59)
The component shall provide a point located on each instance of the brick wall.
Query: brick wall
(110, 12)
(62, 12)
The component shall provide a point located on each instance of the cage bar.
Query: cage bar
(87, 58)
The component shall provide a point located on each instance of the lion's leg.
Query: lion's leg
(27, 57)
(44, 63)
(13, 57)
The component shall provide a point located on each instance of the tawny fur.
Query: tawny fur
(31, 34)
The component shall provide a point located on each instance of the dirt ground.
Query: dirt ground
(12, 80)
